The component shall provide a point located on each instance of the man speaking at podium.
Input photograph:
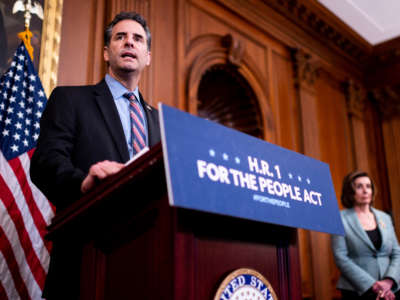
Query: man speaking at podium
(89, 132)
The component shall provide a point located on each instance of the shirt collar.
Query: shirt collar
(117, 89)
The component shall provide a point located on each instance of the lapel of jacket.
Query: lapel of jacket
(382, 226)
(153, 129)
(111, 117)
(357, 228)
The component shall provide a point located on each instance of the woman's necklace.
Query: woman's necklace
(367, 220)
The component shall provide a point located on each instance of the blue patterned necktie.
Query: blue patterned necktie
(137, 123)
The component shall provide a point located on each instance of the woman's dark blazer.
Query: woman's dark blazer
(359, 262)
(80, 127)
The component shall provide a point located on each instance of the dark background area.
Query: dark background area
(10, 25)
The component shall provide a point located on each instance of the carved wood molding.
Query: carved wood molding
(306, 69)
(206, 52)
(203, 52)
(235, 48)
(356, 97)
(388, 101)
(319, 21)
(294, 21)
(51, 37)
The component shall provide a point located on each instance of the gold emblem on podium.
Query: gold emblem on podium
(245, 284)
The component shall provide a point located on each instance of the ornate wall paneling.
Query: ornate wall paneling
(367, 140)
(306, 72)
(81, 46)
(356, 107)
(307, 24)
(384, 65)
(383, 82)
(214, 48)
(336, 148)
(335, 130)
(387, 100)
(96, 65)
(219, 90)
(285, 102)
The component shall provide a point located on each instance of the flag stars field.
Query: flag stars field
(20, 86)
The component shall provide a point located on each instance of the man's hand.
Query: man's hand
(100, 170)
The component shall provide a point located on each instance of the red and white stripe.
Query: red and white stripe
(24, 215)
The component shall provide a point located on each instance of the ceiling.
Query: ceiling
(377, 21)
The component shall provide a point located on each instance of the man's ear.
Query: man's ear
(148, 58)
(105, 54)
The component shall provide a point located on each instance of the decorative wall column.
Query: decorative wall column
(314, 267)
(51, 36)
(305, 74)
(356, 97)
(387, 100)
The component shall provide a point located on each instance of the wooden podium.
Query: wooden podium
(136, 246)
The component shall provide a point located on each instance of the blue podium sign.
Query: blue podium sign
(216, 169)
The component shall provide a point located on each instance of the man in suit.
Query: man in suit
(89, 132)
(86, 131)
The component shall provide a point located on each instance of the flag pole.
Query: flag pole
(26, 36)
(28, 9)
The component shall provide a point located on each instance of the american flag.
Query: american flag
(24, 211)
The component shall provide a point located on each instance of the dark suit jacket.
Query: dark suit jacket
(79, 127)
(359, 262)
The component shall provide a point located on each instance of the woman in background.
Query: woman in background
(368, 256)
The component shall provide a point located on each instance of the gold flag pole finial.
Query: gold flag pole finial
(29, 10)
